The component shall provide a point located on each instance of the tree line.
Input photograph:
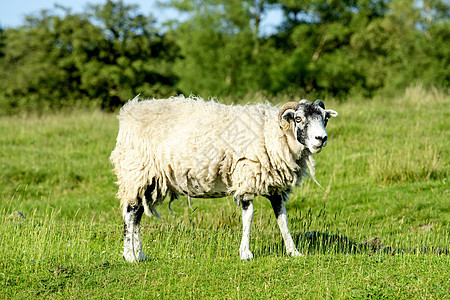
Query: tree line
(111, 52)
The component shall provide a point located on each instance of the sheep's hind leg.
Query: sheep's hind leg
(282, 220)
(132, 249)
(247, 217)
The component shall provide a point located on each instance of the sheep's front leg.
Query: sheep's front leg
(132, 249)
(281, 215)
(247, 217)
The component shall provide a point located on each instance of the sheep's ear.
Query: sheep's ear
(320, 103)
(285, 119)
(288, 115)
(331, 113)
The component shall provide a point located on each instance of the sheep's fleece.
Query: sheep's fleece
(196, 148)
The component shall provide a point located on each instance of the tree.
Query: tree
(102, 58)
(400, 49)
(133, 58)
(112, 52)
(221, 50)
(37, 71)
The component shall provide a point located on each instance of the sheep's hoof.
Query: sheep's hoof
(246, 255)
(131, 257)
(295, 253)
(142, 256)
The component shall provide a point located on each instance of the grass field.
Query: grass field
(385, 171)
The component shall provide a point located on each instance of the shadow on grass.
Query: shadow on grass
(323, 242)
(314, 242)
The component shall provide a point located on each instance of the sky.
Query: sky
(13, 12)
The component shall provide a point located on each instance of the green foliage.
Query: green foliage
(385, 170)
(333, 47)
(111, 52)
(221, 52)
(100, 58)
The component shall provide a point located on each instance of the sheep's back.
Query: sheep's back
(194, 144)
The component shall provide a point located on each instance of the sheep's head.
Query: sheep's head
(307, 122)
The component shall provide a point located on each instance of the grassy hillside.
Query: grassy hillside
(385, 171)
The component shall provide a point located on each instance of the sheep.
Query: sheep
(204, 149)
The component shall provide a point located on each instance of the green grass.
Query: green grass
(385, 171)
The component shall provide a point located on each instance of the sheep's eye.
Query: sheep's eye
(298, 119)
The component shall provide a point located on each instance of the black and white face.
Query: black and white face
(308, 123)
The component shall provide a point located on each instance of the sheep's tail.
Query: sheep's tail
(311, 163)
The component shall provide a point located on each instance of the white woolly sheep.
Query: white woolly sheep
(196, 148)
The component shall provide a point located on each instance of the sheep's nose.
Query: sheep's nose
(322, 139)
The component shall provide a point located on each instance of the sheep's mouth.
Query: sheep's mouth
(316, 149)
